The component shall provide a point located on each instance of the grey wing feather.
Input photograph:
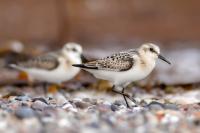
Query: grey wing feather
(47, 62)
(117, 62)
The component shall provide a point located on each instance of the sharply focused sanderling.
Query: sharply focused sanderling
(54, 67)
(124, 67)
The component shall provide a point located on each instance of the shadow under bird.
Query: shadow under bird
(53, 67)
(124, 67)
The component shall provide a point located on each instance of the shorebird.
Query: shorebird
(125, 67)
(53, 67)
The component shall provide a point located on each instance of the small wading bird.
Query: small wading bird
(54, 67)
(124, 67)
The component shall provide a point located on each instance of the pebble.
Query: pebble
(91, 101)
(114, 107)
(69, 107)
(94, 125)
(88, 100)
(31, 125)
(92, 109)
(23, 98)
(118, 102)
(103, 108)
(49, 111)
(82, 104)
(169, 118)
(170, 106)
(155, 106)
(109, 119)
(59, 98)
(40, 99)
(38, 105)
(24, 112)
(64, 123)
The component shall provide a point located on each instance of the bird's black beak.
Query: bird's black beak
(84, 60)
(164, 59)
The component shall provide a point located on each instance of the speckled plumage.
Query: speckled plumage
(122, 61)
(46, 62)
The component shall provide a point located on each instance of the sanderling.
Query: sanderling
(124, 67)
(53, 67)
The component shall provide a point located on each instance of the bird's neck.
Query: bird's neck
(147, 62)
(75, 59)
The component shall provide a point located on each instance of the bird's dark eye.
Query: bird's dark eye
(74, 50)
(151, 49)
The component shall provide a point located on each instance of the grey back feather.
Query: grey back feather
(47, 62)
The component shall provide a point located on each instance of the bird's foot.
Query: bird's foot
(131, 99)
(125, 95)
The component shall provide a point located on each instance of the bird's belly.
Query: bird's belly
(120, 78)
(138, 73)
(58, 75)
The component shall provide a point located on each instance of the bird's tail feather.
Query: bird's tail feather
(84, 66)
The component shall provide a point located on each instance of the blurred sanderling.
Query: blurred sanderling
(53, 67)
(124, 67)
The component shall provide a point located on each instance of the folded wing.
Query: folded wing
(46, 62)
(116, 62)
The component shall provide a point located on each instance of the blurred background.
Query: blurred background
(92, 22)
(168, 100)
(103, 27)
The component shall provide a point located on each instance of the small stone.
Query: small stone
(67, 106)
(49, 111)
(94, 125)
(31, 125)
(40, 99)
(38, 105)
(24, 112)
(170, 118)
(24, 104)
(52, 101)
(170, 106)
(60, 99)
(81, 104)
(155, 106)
(3, 106)
(22, 98)
(109, 119)
(88, 100)
(160, 115)
(104, 107)
(143, 103)
(92, 109)
(94, 101)
(118, 102)
(64, 123)
(114, 107)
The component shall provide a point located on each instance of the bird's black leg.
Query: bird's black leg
(45, 88)
(124, 95)
(125, 98)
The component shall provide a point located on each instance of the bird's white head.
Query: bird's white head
(72, 49)
(152, 51)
